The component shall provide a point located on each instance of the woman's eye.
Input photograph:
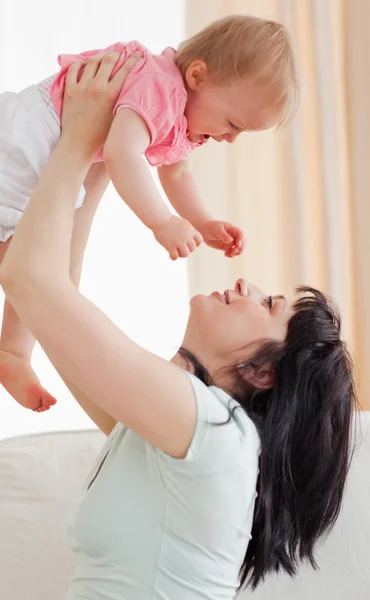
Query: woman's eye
(269, 302)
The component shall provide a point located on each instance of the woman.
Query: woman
(260, 398)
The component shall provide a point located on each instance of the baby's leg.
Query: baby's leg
(16, 374)
(17, 343)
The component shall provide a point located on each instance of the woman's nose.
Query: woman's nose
(245, 288)
(241, 286)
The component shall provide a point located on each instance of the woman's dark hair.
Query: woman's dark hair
(304, 424)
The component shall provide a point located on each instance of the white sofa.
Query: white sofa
(40, 481)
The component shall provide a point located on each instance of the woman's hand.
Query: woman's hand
(89, 100)
(41, 247)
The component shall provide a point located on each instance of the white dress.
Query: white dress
(28, 135)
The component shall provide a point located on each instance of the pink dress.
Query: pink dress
(154, 88)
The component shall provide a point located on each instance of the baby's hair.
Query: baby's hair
(240, 46)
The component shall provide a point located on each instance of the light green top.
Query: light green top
(151, 527)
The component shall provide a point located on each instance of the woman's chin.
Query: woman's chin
(197, 298)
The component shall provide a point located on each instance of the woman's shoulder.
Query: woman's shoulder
(220, 403)
(224, 433)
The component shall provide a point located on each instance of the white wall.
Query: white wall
(126, 273)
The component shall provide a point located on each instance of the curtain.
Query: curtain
(301, 194)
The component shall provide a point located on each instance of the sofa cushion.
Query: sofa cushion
(41, 478)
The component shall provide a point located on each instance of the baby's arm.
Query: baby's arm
(182, 190)
(127, 141)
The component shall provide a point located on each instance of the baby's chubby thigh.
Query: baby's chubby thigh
(28, 135)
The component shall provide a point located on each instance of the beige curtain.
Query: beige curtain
(301, 195)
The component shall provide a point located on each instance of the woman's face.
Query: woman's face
(224, 323)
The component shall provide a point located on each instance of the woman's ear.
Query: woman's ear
(260, 377)
(196, 74)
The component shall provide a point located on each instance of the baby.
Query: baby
(236, 75)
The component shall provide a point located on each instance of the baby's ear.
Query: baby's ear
(261, 378)
(196, 74)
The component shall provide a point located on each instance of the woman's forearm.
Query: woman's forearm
(95, 184)
(182, 189)
(134, 183)
(99, 416)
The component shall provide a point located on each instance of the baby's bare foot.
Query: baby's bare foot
(21, 382)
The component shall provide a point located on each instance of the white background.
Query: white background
(126, 273)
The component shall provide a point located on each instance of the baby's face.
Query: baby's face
(222, 112)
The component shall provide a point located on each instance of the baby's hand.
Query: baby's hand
(224, 236)
(178, 236)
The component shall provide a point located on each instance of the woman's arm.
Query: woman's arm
(151, 396)
(100, 417)
(182, 189)
(95, 184)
